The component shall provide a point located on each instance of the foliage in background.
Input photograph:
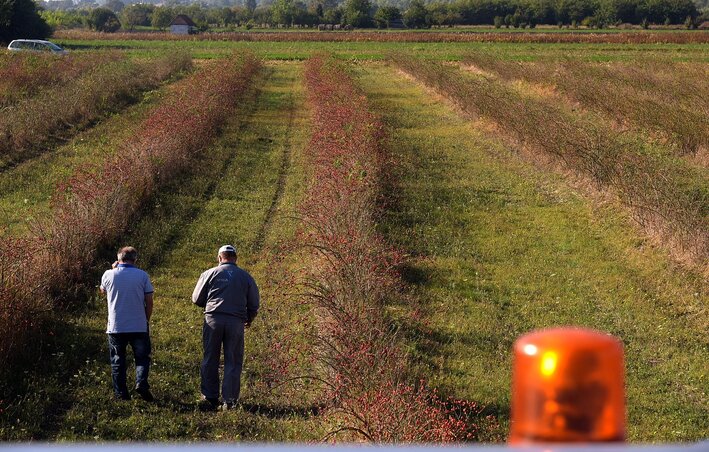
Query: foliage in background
(104, 20)
(422, 14)
(21, 19)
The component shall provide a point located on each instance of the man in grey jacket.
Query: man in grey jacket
(230, 299)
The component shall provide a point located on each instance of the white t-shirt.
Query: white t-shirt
(126, 287)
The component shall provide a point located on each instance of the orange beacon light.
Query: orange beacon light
(567, 386)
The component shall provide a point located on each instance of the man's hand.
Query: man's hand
(148, 305)
(114, 265)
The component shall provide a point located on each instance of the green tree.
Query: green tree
(357, 13)
(65, 19)
(518, 18)
(302, 16)
(137, 14)
(332, 15)
(221, 17)
(331, 11)
(417, 15)
(241, 15)
(262, 15)
(21, 19)
(569, 11)
(105, 20)
(162, 17)
(542, 11)
(251, 5)
(442, 13)
(283, 12)
(386, 14)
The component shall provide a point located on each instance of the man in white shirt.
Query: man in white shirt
(130, 305)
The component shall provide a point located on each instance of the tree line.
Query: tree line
(19, 18)
(366, 14)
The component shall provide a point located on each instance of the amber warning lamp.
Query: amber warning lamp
(567, 386)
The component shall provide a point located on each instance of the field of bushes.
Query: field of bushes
(676, 37)
(406, 218)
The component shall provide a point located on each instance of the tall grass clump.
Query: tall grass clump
(95, 206)
(628, 94)
(22, 74)
(352, 275)
(667, 196)
(31, 122)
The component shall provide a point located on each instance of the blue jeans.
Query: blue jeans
(226, 330)
(117, 345)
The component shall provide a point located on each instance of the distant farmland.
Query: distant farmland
(409, 207)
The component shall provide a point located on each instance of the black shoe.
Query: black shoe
(121, 396)
(209, 404)
(145, 394)
(229, 405)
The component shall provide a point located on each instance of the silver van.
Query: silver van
(35, 45)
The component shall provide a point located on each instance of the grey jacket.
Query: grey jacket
(227, 289)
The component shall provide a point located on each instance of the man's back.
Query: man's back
(126, 287)
(227, 289)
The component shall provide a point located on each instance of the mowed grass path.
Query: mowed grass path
(500, 248)
(226, 199)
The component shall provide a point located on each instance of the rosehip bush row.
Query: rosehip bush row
(352, 275)
(22, 74)
(94, 207)
(637, 94)
(30, 122)
(667, 196)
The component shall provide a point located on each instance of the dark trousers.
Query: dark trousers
(221, 330)
(117, 345)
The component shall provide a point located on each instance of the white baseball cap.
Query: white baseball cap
(227, 249)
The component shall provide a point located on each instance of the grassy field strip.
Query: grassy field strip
(225, 199)
(501, 248)
(25, 190)
(257, 245)
(379, 50)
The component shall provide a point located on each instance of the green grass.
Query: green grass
(379, 50)
(501, 248)
(225, 199)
